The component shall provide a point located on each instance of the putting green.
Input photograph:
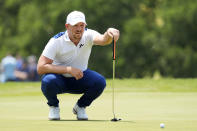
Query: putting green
(141, 104)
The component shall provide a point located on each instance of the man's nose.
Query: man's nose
(79, 28)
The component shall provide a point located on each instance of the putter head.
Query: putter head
(115, 119)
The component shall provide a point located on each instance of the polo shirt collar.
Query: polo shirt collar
(66, 37)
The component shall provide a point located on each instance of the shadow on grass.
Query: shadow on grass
(71, 120)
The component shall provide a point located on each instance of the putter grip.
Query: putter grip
(114, 49)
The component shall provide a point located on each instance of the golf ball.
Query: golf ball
(162, 125)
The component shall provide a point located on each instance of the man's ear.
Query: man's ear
(66, 26)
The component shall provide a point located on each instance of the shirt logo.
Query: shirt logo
(81, 45)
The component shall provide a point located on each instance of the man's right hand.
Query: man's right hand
(77, 73)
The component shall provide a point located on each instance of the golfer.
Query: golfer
(64, 65)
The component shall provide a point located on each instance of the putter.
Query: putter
(114, 59)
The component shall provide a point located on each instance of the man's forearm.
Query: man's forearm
(102, 40)
(107, 37)
(49, 68)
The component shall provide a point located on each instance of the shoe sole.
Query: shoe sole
(81, 119)
(54, 119)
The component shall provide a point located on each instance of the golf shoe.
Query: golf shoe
(54, 113)
(80, 112)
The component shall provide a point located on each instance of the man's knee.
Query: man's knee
(48, 80)
(100, 83)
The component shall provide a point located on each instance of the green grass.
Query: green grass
(141, 103)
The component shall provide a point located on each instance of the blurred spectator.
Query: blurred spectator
(22, 72)
(19, 62)
(18, 69)
(32, 66)
(8, 66)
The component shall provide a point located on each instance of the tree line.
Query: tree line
(157, 36)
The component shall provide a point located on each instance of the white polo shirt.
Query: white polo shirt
(64, 52)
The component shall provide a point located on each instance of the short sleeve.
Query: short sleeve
(50, 49)
(92, 34)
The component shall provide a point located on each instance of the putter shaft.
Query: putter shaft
(113, 88)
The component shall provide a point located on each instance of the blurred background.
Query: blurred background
(158, 37)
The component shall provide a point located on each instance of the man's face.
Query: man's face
(75, 31)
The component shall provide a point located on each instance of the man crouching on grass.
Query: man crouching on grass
(64, 63)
